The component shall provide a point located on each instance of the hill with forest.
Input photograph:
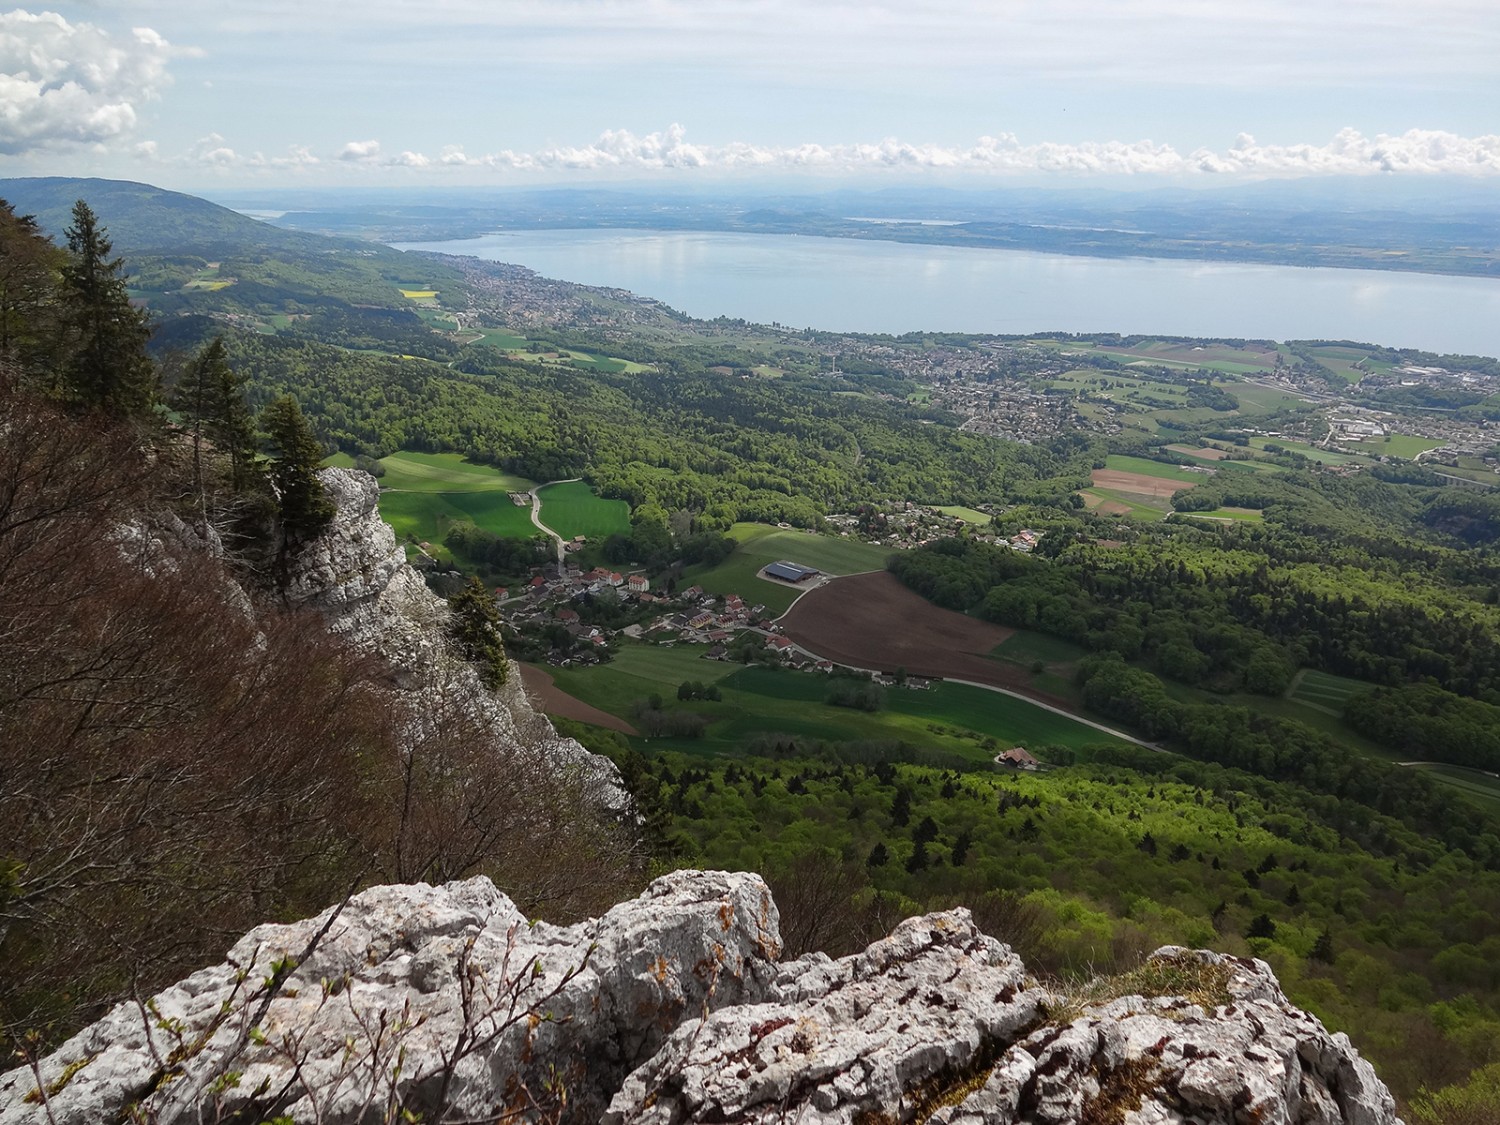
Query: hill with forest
(1273, 563)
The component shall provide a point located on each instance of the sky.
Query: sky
(276, 93)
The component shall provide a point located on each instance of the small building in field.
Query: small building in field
(790, 571)
(1017, 758)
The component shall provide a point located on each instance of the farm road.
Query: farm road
(536, 517)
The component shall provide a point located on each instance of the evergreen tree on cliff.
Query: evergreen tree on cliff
(294, 474)
(107, 367)
(475, 629)
(211, 399)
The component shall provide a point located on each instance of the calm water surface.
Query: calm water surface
(857, 286)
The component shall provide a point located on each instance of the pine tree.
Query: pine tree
(1261, 926)
(211, 399)
(107, 367)
(294, 474)
(475, 629)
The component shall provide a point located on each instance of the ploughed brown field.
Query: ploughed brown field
(547, 697)
(1139, 484)
(872, 621)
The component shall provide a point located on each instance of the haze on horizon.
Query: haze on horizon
(694, 92)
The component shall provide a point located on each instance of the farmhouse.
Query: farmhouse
(790, 571)
(1017, 758)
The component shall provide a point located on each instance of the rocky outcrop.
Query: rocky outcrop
(671, 1009)
(357, 576)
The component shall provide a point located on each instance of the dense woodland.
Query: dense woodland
(679, 438)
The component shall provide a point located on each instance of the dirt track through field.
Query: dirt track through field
(550, 699)
(872, 621)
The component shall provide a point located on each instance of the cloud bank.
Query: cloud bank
(1349, 152)
(64, 84)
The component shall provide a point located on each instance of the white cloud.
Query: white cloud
(1347, 153)
(213, 152)
(619, 152)
(67, 84)
(359, 152)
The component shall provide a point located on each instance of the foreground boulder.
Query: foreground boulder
(445, 1004)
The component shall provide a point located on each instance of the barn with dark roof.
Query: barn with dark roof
(790, 572)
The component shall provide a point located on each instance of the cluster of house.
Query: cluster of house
(702, 621)
(1024, 540)
(574, 581)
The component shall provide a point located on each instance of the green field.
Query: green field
(427, 516)
(1150, 468)
(1400, 445)
(968, 515)
(761, 543)
(636, 672)
(1476, 785)
(761, 701)
(1026, 647)
(1264, 400)
(423, 494)
(1324, 690)
(1311, 452)
(446, 472)
(499, 338)
(1187, 357)
(1244, 515)
(1137, 509)
(572, 509)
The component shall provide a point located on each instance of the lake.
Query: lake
(869, 286)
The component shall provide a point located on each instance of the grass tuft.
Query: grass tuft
(1196, 981)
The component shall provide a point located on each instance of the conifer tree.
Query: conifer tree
(211, 399)
(294, 473)
(107, 367)
(475, 629)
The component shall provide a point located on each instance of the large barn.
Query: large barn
(790, 572)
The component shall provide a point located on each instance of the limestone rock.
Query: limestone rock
(357, 576)
(672, 1010)
(839, 1039)
(415, 996)
(1168, 1061)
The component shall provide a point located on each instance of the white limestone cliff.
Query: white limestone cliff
(357, 576)
(446, 1004)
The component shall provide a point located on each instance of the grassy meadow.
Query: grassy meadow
(423, 494)
(760, 544)
(572, 509)
(759, 701)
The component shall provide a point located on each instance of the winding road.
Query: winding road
(536, 517)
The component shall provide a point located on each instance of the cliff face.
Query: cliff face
(445, 1002)
(357, 576)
